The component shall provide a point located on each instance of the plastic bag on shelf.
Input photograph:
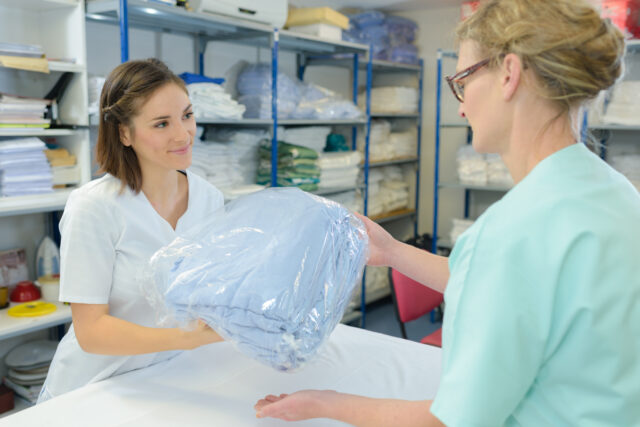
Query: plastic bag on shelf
(254, 88)
(323, 104)
(272, 272)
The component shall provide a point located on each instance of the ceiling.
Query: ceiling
(387, 5)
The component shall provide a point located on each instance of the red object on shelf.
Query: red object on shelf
(25, 291)
(625, 14)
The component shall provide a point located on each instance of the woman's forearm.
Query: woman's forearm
(422, 266)
(100, 333)
(367, 412)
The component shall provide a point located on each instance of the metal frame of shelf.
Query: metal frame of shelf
(310, 50)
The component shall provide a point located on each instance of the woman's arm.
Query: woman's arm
(355, 410)
(100, 333)
(422, 266)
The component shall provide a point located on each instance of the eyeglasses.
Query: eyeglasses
(454, 81)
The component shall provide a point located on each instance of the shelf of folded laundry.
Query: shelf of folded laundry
(351, 316)
(383, 115)
(397, 161)
(333, 190)
(393, 216)
(28, 131)
(454, 125)
(472, 186)
(156, 16)
(13, 326)
(378, 65)
(281, 122)
(445, 243)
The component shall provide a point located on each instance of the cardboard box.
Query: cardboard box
(316, 15)
(325, 31)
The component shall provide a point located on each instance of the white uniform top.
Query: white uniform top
(107, 240)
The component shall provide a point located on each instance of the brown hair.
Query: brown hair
(125, 91)
(572, 51)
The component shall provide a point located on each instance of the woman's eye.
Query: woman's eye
(161, 125)
(188, 115)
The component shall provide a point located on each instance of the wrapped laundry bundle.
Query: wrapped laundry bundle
(254, 87)
(210, 101)
(320, 103)
(271, 272)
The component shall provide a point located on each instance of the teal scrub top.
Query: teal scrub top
(542, 319)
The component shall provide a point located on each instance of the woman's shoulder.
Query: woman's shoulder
(98, 192)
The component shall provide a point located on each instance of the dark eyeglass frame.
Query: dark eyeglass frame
(454, 81)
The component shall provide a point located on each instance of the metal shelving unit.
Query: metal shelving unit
(439, 242)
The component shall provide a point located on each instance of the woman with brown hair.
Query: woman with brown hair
(542, 323)
(112, 225)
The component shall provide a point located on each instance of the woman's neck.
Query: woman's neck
(161, 186)
(535, 135)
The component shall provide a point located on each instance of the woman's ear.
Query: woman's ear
(511, 74)
(125, 135)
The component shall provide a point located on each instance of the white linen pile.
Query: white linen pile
(459, 227)
(629, 166)
(388, 190)
(24, 168)
(229, 160)
(624, 106)
(379, 147)
(391, 99)
(210, 101)
(314, 137)
(481, 169)
(376, 284)
(339, 169)
(403, 144)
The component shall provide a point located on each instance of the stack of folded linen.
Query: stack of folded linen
(403, 144)
(214, 162)
(297, 166)
(314, 137)
(210, 101)
(388, 190)
(272, 272)
(24, 168)
(459, 227)
(392, 99)
(339, 169)
(379, 146)
(348, 199)
(472, 167)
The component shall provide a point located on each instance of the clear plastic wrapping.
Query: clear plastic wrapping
(272, 272)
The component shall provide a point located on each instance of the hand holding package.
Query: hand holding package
(272, 272)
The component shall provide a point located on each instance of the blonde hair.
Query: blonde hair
(573, 53)
(126, 89)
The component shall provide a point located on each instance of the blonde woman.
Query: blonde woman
(542, 326)
(112, 225)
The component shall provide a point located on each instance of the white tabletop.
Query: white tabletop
(217, 386)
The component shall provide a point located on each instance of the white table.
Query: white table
(217, 386)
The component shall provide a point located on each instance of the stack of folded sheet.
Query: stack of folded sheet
(379, 145)
(210, 101)
(215, 162)
(339, 169)
(348, 199)
(472, 167)
(388, 190)
(272, 272)
(392, 99)
(297, 166)
(314, 137)
(24, 168)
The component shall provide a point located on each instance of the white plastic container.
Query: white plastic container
(49, 288)
(325, 31)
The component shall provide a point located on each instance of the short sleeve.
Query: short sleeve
(496, 324)
(87, 250)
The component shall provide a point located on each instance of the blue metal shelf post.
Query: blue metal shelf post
(419, 148)
(124, 31)
(436, 167)
(274, 107)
